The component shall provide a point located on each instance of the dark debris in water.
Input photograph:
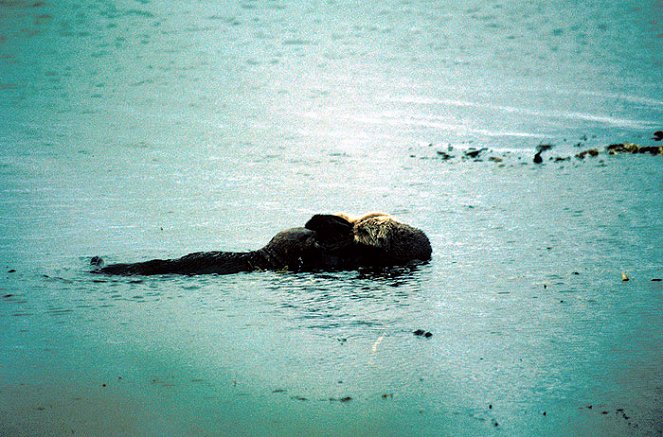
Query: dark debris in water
(589, 152)
(444, 155)
(343, 399)
(612, 149)
(421, 332)
(157, 381)
(619, 412)
(474, 153)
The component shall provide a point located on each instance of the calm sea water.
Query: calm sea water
(139, 129)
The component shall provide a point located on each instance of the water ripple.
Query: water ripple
(569, 115)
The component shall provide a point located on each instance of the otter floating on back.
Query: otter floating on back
(327, 242)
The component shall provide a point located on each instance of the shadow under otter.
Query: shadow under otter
(326, 243)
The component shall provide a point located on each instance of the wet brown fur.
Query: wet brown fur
(327, 242)
(381, 230)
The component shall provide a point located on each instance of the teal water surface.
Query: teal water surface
(137, 129)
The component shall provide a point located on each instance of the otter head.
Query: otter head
(397, 241)
(374, 229)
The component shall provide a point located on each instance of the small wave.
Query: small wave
(296, 42)
(59, 311)
(432, 122)
(654, 103)
(603, 119)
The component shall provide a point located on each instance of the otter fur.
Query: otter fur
(397, 241)
(327, 242)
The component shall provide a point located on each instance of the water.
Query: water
(140, 129)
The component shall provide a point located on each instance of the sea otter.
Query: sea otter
(327, 242)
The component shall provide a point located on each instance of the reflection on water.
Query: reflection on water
(135, 130)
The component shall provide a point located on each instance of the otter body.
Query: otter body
(326, 243)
